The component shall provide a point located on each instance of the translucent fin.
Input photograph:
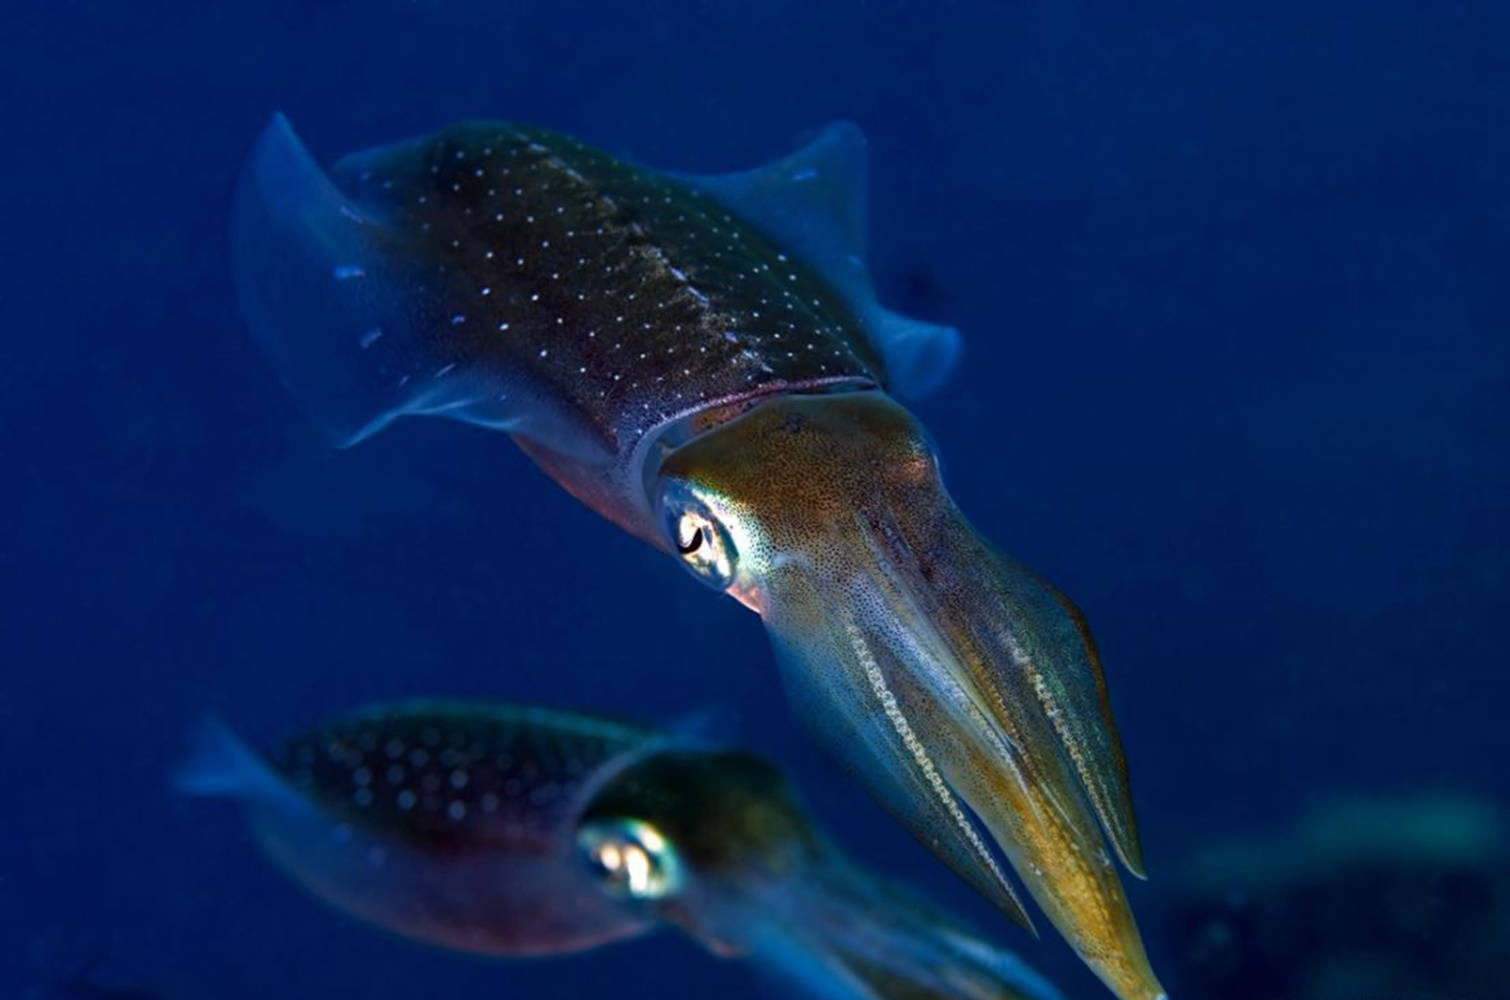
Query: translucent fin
(329, 294)
(918, 355)
(220, 765)
(813, 203)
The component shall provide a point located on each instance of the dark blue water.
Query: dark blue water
(1237, 376)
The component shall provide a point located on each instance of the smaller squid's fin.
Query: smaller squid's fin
(220, 765)
(813, 203)
(341, 305)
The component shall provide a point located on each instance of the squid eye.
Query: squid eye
(702, 543)
(692, 544)
(630, 859)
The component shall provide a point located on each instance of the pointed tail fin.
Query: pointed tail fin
(219, 764)
(332, 297)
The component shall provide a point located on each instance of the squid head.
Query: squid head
(965, 689)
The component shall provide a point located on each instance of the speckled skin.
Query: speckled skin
(459, 777)
(918, 651)
(714, 383)
(616, 298)
(457, 822)
(452, 823)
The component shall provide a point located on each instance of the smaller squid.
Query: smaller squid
(514, 831)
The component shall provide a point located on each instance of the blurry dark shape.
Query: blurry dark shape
(1403, 899)
(916, 290)
(85, 988)
(89, 986)
(88, 977)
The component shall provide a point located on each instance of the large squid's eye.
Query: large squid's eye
(630, 859)
(702, 543)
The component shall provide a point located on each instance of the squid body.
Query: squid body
(702, 360)
(510, 831)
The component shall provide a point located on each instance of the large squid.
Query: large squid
(702, 360)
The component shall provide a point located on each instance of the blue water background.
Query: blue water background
(1236, 376)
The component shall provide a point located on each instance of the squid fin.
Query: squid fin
(220, 765)
(347, 314)
(813, 203)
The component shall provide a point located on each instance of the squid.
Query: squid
(519, 831)
(703, 361)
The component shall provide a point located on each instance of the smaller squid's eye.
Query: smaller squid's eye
(703, 543)
(630, 859)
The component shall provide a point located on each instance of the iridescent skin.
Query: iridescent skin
(514, 831)
(763, 882)
(917, 650)
(702, 361)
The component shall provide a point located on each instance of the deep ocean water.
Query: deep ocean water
(1236, 376)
